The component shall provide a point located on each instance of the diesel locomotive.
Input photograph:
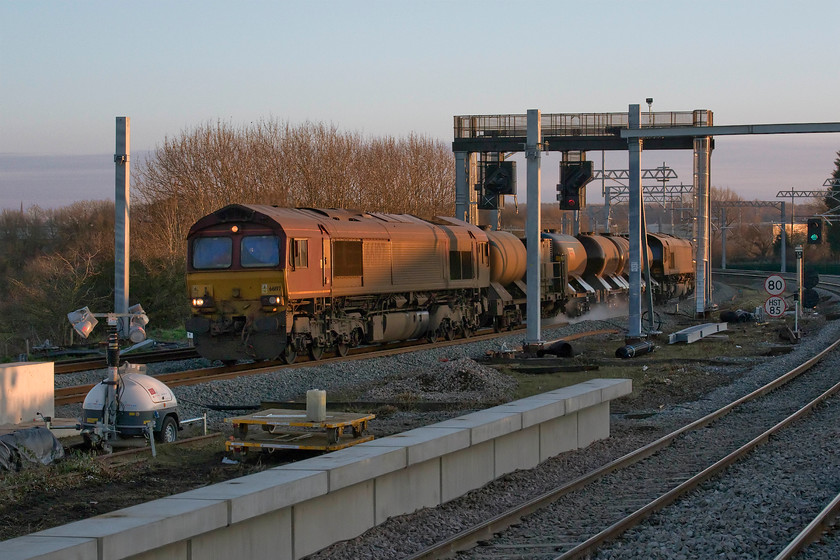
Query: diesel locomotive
(268, 282)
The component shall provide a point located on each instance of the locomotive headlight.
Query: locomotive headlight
(202, 302)
(269, 301)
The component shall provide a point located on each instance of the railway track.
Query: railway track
(76, 394)
(821, 524)
(86, 364)
(573, 520)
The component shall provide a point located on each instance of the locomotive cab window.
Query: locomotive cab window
(299, 253)
(212, 252)
(460, 265)
(259, 251)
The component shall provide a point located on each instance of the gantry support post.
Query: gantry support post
(122, 157)
(462, 193)
(634, 148)
(703, 288)
(533, 228)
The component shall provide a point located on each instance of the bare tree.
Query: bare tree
(272, 162)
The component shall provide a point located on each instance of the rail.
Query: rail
(469, 537)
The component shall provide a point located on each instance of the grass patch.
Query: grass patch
(175, 334)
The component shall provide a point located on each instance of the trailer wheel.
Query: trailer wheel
(168, 431)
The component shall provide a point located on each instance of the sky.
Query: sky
(68, 69)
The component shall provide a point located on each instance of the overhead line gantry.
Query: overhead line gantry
(579, 132)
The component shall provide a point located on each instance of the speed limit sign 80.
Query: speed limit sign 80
(774, 285)
(775, 306)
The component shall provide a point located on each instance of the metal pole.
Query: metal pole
(112, 357)
(701, 188)
(723, 237)
(634, 148)
(121, 221)
(799, 277)
(784, 240)
(472, 194)
(533, 227)
(646, 264)
(800, 261)
(461, 187)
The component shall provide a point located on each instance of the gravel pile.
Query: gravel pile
(463, 378)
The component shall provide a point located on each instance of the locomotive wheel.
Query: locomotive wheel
(315, 352)
(289, 354)
(448, 331)
(341, 349)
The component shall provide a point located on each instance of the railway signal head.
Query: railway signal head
(815, 231)
(573, 176)
(500, 178)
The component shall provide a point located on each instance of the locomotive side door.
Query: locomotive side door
(326, 260)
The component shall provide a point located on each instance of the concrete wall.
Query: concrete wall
(290, 511)
(26, 388)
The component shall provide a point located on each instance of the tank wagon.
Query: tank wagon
(268, 282)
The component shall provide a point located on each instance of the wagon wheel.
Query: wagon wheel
(315, 352)
(341, 349)
(360, 429)
(332, 435)
(289, 354)
(466, 329)
(432, 336)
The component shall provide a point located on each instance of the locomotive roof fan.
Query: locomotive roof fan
(127, 404)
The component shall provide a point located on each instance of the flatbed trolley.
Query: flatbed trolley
(290, 429)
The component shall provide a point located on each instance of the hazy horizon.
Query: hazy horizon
(801, 162)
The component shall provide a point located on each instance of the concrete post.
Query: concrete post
(121, 221)
(462, 193)
(533, 227)
(634, 148)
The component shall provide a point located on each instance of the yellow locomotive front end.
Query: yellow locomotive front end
(237, 288)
